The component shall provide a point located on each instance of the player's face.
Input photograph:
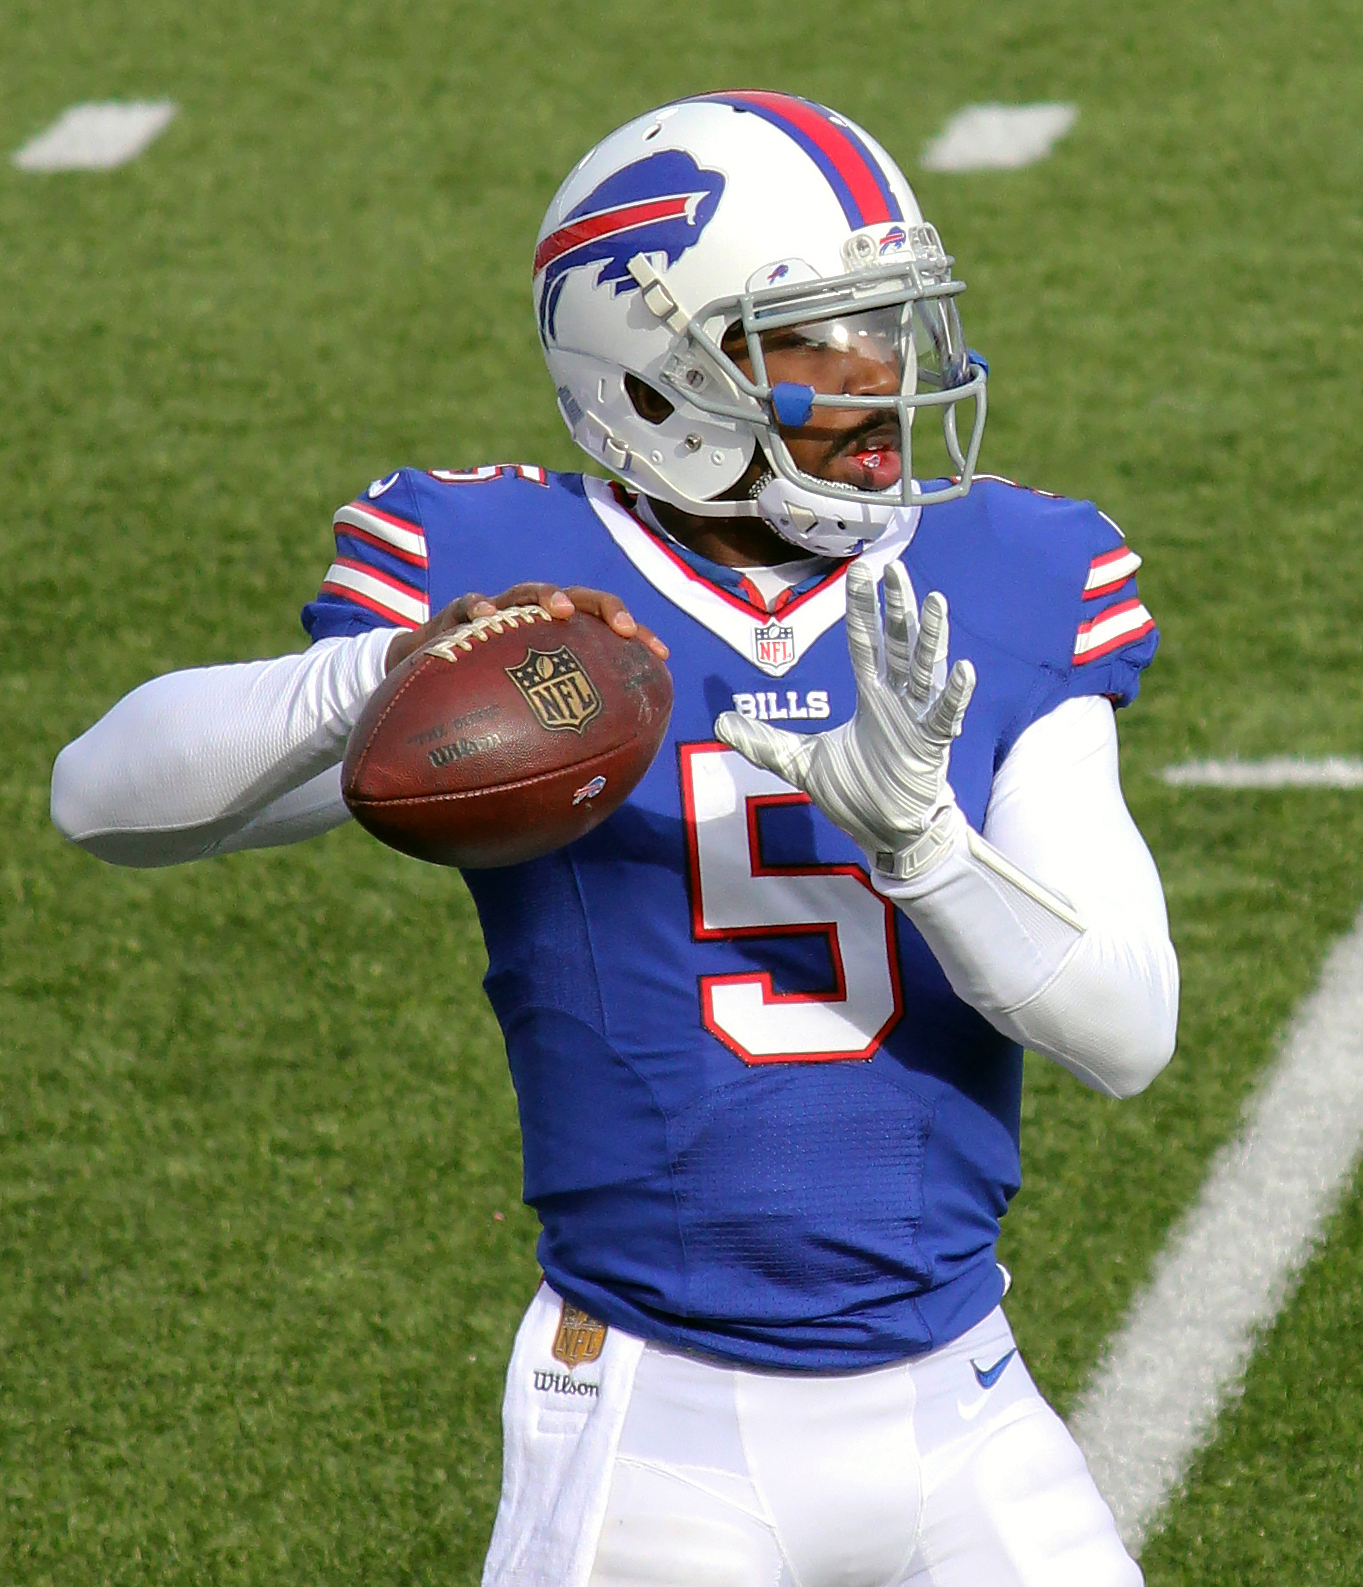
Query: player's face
(852, 356)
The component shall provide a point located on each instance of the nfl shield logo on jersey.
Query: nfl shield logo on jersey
(579, 1337)
(773, 645)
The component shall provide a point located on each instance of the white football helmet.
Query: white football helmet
(783, 224)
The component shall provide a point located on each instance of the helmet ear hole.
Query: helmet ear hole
(649, 402)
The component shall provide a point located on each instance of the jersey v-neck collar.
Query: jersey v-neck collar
(792, 579)
(772, 642)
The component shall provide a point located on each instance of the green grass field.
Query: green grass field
(261, 1245)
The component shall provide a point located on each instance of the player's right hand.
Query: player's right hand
(556, 601)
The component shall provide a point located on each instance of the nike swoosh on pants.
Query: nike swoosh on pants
(989, 1376)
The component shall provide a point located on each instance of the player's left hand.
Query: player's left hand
(882, 777)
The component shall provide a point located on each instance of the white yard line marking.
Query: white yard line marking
(1232, 1261)
(998, 137)
(95, 137)
(1282, 771)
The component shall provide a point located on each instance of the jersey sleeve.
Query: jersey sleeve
(379, 577)
(1114, 635)
(1073, 609)
(1048, 584)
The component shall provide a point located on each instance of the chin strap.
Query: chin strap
(817, 524)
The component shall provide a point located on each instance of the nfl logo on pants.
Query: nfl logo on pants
(579, 1338)
(774, 646)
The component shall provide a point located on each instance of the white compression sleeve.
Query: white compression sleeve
(309, 810)
(1054, 926)
(217, 758)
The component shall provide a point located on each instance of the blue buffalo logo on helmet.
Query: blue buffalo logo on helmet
(893, 239)
(658, 205)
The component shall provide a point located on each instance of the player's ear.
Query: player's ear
(649, 402)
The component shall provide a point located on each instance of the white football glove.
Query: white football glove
(882, 777)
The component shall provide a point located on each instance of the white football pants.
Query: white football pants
(949, 1470)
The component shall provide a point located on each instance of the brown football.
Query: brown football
(506, 738)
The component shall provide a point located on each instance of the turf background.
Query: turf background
(255, 1128)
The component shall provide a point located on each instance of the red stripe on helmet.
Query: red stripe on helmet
(864, 183)
(605, 223)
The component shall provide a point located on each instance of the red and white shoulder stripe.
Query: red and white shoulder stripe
(382, 529)
(397, 603)
(1111, 629)
(1110, 571)
(380, 564)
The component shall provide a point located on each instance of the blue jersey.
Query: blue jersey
(757, 1121)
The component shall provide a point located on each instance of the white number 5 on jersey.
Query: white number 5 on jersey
(734, 894)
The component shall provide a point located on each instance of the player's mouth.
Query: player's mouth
(880, 468)
(868, 460)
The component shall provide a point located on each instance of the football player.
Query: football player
(766, 1022)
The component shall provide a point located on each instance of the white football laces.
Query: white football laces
(477, 630)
